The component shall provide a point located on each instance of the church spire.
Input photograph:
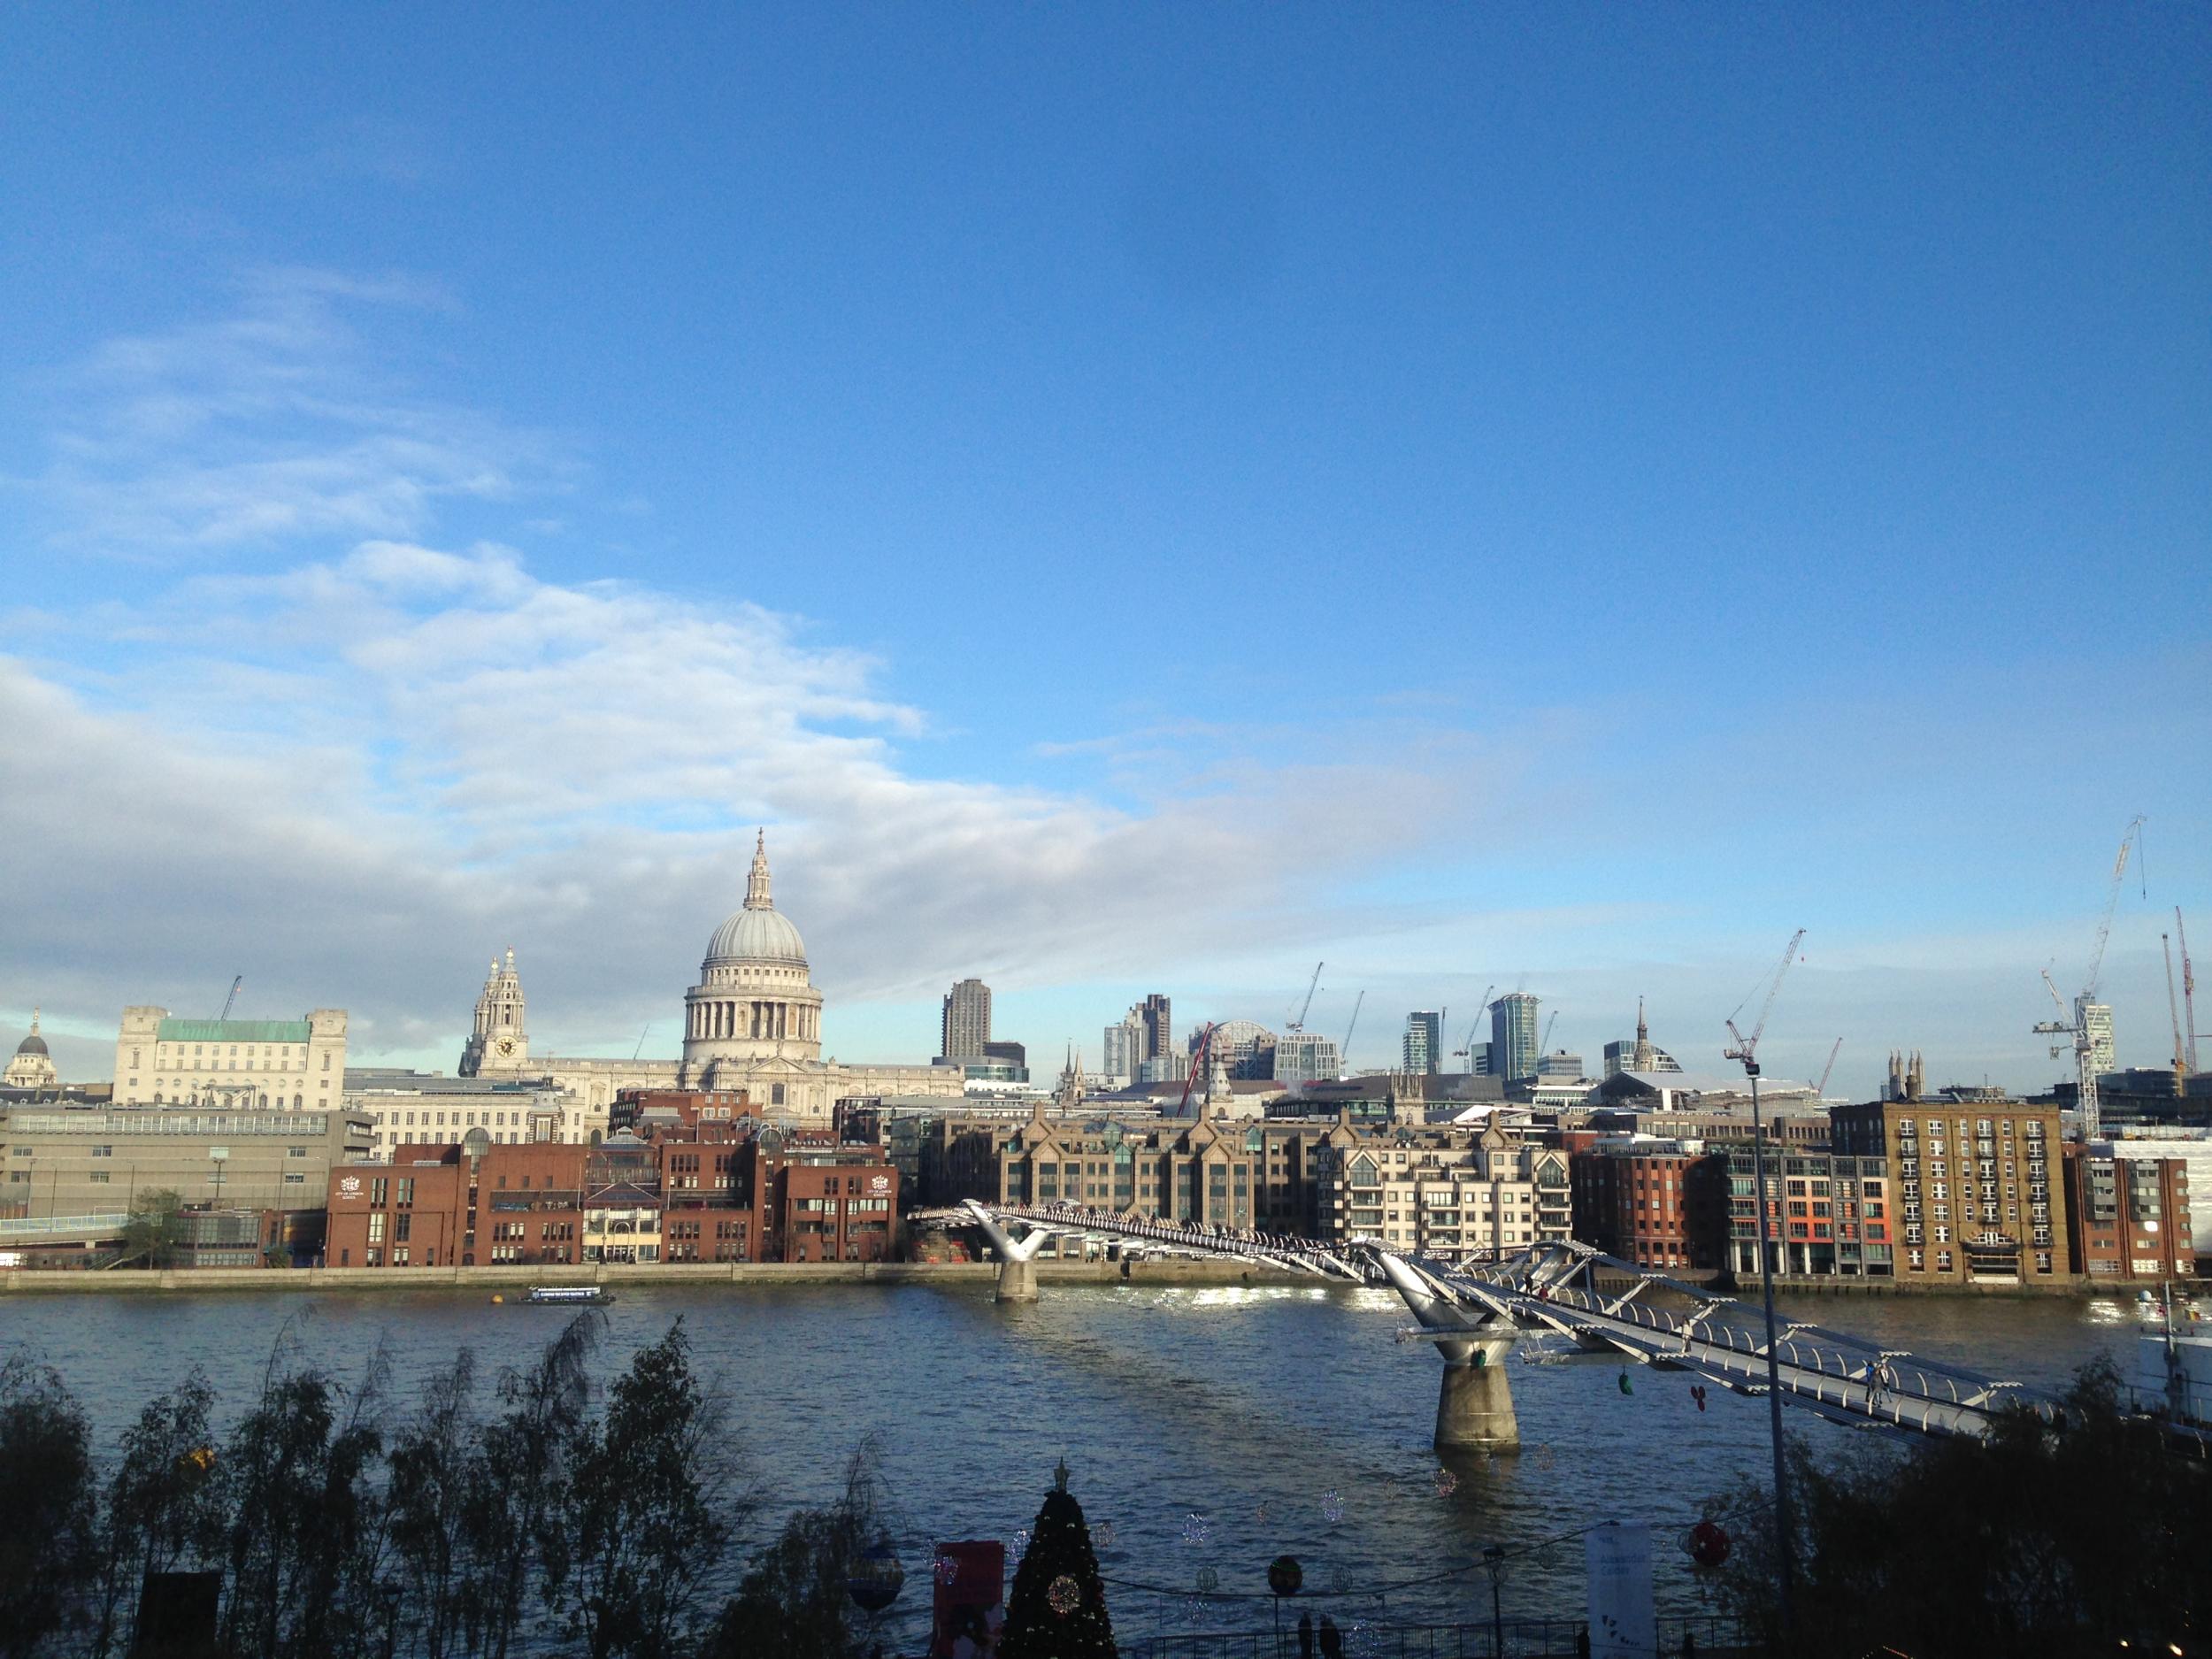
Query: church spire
(756, 886)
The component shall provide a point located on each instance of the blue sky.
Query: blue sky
(1133, 497)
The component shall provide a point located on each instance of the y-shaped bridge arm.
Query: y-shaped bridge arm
(1010, 1248)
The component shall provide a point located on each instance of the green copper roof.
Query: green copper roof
(233, 1030)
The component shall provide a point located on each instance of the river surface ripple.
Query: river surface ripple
(1290, 1418)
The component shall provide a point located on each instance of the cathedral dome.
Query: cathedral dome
(757, 933)
(756, 936)
(32, 1044)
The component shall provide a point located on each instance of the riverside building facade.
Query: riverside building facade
(78, 1163)
(2128, 1217)
(1828, 1214)
(1977, 1190)
(692, 1187)
(1658, 1205)
(1458, 1194)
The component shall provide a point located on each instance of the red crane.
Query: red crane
(1199, 1050)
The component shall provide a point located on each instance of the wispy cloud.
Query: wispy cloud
(271, 424)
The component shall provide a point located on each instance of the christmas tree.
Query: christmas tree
(1057, 1609)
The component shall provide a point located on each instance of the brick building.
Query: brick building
(693, 1187)
(458, 1206)
(1654, 1204)
(1977, 1188)
(2128, 1217)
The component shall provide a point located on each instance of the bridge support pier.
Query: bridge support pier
(1474, 1406)
(1016, 1257)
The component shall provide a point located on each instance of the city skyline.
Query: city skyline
(398, 574)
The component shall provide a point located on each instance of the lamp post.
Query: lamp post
(1494, 1558)
(219, 1156)
(1774, 1377)
(1747, 1050)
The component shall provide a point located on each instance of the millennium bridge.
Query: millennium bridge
(1476, 1312)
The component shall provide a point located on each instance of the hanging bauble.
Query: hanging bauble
(876, 1579)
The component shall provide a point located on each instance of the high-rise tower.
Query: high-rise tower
(1513, 1036)
(967, 1022)
(1423, 1044)
(1159, 1027)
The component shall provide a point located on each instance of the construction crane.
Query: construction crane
(1312, 985)
(2075, 1021)
(2188, 990)
(237, 981)
(2173, 1012)
(1198, 1052)
(1344, 1055)
(1820, 1091)
(1747, 1048)
(1466, 1050)
(1544, 1047)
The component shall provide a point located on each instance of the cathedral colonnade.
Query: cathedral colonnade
(751, 1020)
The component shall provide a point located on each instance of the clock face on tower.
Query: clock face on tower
(506, 1045)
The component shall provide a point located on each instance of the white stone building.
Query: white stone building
(421, 1109)
(265, 1065)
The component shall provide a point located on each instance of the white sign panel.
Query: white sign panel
(1622, 1622)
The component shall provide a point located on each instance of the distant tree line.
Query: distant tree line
(2086, 1535)
(341, 1525)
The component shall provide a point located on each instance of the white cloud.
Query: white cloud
(269, 425)
(576, 769)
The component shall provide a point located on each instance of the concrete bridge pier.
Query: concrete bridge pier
(1474, 1402)
(1016, 1257)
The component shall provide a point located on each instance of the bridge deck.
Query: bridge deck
(1829, 1371)
(1298, 1256)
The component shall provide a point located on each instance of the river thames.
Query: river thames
(1287, 1419)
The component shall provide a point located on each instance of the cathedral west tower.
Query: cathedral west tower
(499, 1043)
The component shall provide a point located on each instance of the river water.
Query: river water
(1290, 1419)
